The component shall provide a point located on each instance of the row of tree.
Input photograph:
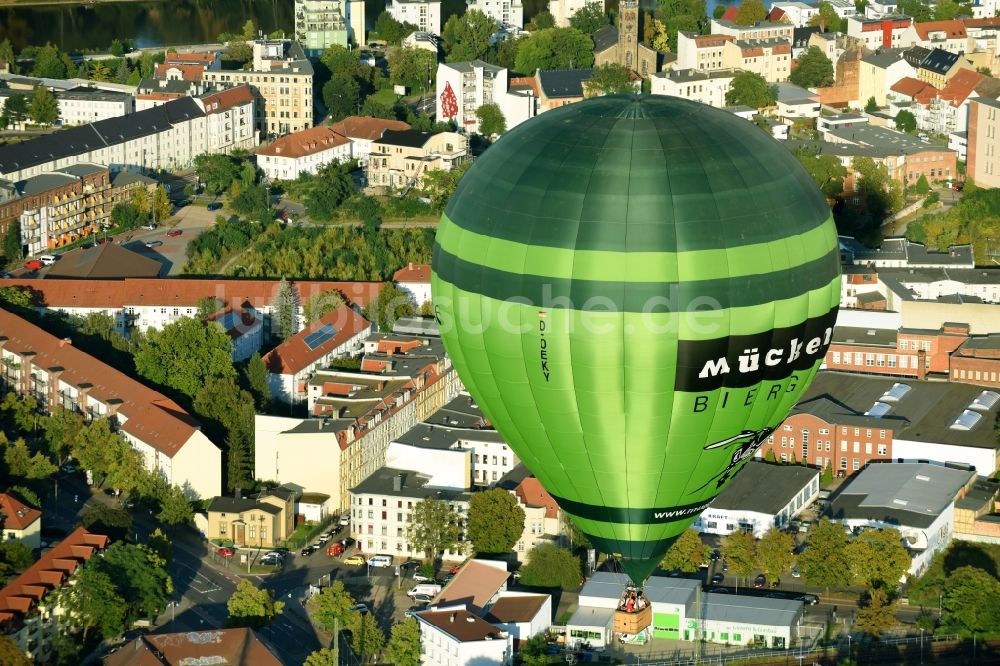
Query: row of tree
(974, 219)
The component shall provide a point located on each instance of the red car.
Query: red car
(453, 570)
(226, 551)
(174, 233)
(33, 265)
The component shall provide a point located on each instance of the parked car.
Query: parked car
(355, 561)
(226, 552)
(717, 578)
(272, 559)
(345, 520)
(795, 572)
(413, 610)
(958, 187)
(323, 538)
(335, 549)
(68, 468)
(409, 564)
(725, 565)
(308, 550)
(360, 608)
(716, 554)
(760, 581)
(454, 570)
(149, 226)
(421, 578)
(423, 598)
(33, 264)
(718, 590)
(810, 599)
(154, 243)
(48, 259)
(174, 233)
(213, 206)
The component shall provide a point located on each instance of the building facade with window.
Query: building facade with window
(504, 12)
(983, 165)
(263, 520)
(323, 23)
(425, 14)
(64, 206)
(20, 522)
(400, 159)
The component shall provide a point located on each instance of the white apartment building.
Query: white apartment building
(702, 52)
(454, 637)
(323, 23)
(463, 87)
(452, 457)
(762, 30)
(425, 14)
(798, 13)
(563, 10)
(706, 87)
(504, 12)
(363, 130)
(890, 31)
(306, 151)
(229, 120)
(79, 106)
(415, 279)
(844, 8)
(771, 58)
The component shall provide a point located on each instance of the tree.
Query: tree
(7, 55)
(433, 527)
(404, 644)
(332, 608)
(738, 549)
(94, 603)
(122, 72)
(216, 172)
(322, 657)
(554, 48)
(827, 476)
(43, 109)
(881, 194)
(439, 185)
(411, 67)
(367, 639)
(391, 30)
(334, 186)
(876, 614)
(686, 554)
(969, 603)
(161, 206)
(824, 562)
(826, 170)
(751, 11)
(491, 120)
(922, 186)
(116, 49)
(390, 304)
(49, 63)
(341, 95)
(905, 121)
(140, 577)
(284, 322)
(467, 37)
(324, 302)
(255, 376)
(687, 15)
(27, 465)
(160, 544)
(229, 413)
(549, 565)
(610, 79)
(126, 216)
(12, 239)
(184, 353)
(590, 18)
(111, 520)
(10, 653)
(496, 521)
(920, 10)
(813, 69)
(871, 106)
(15, 110)
(827, 18)
(252, 607)
(14, 558)
(877, 558)
(175, 508)
(774, 553)
(750, 89)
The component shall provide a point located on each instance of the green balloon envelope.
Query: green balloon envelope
(636, 290)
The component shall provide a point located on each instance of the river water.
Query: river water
(165, 23)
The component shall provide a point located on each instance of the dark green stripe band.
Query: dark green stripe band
(654, 297)
(630, 515)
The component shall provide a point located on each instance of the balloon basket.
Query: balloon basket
(633, 622)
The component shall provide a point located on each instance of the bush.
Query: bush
(932, 199)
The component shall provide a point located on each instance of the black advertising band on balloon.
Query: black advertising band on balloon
(631, 515)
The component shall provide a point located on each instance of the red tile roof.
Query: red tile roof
(187, 72)
(294, 355)
(51, 571)
(180, 292)
(305, 142)
(732, 11)
(775, 15)
(988, 22)
(189, 58)
(910, 86)
(531, 492)
(367, 127)
(961, 85)
(227, 99)
(152, 417)
(413, 273)
(525, 82)
(233, 647)
(16, 514)
(952, 29)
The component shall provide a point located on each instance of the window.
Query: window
(843, 445)
(843, 463)
(848, 358)
(882, 450)
(263, 533)
(855, 465)
(222, 528)
(371, 514)
(857, 447)
(385, 515)
(868, 448)
(835, 357)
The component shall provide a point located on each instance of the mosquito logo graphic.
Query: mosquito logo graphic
(747, 443)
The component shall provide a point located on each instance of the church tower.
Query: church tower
(628, 33)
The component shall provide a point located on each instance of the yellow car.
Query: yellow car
(355, 560)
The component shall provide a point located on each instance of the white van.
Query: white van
(380, 561)
(428, 589)
(47, 259)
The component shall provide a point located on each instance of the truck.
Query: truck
(335, 549)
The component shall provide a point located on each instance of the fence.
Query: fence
(313, 532)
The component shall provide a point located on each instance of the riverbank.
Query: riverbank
(74, 3)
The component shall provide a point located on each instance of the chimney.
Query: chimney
(921, 365)
(397, 483)
(65, 341)
(411, 266)
(238, 492)
(453, 616)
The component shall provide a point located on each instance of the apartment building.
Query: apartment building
(771, 58)
(82, 105)
(303, 152)
(698, 86)
(32, 605)
(907, 158)
(888, 31)
(424, 14)
(878, 73)
(504, 12)
(21, 522)
(264, 519)
(939, 66)
(798, 13)
(463, 87)
(757, 31)
(983, 165)
(702, 52)
(63, 206)
(281, 79)
(362, 130)
(323, 23)
(400, 159)
(905, 352)
(563, 10)
(57, 374)
(948, 35)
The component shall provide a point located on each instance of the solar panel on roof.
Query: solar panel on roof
(985, 401)
(895, 393)
(319, 336)
(878, 410)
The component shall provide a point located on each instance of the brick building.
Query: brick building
(908, 352)
(977, 361)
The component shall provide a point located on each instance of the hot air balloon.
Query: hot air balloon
(636, 290)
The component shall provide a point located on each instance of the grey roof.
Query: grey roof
(159, 85)
(513, 478)
(591, 616)
(604, 37)
(461, 412)
(471, 65)
(801, 36)
(44, 183)
(940, 61)
(226, 504)
(916, 55)
(123, 178)
(409, 138)
(426, 436)
(83, 169)
(609, 584)
(93, 94)
(924, 414)
(556, 83)
(752, 610)
(688, 75)
(937, 274)
(789, 92)
(412, 485)
(911, 494)
(870, 297)
(884, 139)
(990, 341)
(764, 487)
(107, 261)
(85, 138)
(661, 589)
(883, 59)
(416, 326)
(874, 337)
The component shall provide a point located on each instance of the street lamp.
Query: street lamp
(173, 611)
